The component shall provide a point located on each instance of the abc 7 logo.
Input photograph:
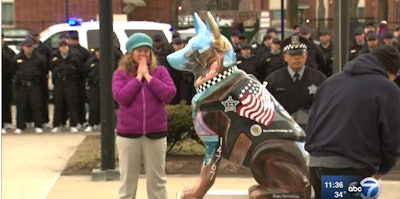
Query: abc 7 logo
(368, 188)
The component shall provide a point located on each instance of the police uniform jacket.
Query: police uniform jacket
(315, 57)
(328, 53)
(294, 96)
(250, 65)
(68, 67)
(262, 50)
(271, 62)
(354, 50)
(29, 68)
(91, 70)
(7, 70)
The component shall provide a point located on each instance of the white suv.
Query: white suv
(89, 33)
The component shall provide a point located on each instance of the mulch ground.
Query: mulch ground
(87, 157)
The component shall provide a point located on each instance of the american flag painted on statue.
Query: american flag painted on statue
(256, 103)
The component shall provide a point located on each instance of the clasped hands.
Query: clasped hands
(143, 70)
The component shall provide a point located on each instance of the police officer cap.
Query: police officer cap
(63, 43)
(157, 37)
(358, 31)
(28, 42)
(73, 35)
(294, 44)
(176, 34)
(371, 35)
(325, 32)
(276, 40)
(245, 46)
(388, 34)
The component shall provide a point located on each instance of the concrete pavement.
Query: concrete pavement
(32, 163)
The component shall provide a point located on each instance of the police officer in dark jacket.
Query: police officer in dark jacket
(273, 60)
(264, 47)
(92, 71)
(359, 43)
(29, 70)
(7, 72)
(83, 55)
(162, 50)
(45, 51)
(326, 45)
(65, 67)
(294, 86)
(315, 57)
(372, 42)
(248, 62)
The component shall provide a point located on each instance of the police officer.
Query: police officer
(65, 67)
(29, 70)
(7, 72)
(294, 86)
(372, 42)
(315, 57)
(92, 71)
(162, 50)
(359, 43)
(326, 45)
(248, 62)
(45, 51)
(273, 60)
(263, 48)
(83, 54)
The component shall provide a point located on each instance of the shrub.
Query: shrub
(180, 125)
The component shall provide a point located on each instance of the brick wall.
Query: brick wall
(159, 11)
(39, 14)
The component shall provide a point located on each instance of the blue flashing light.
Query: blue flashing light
(74, 22)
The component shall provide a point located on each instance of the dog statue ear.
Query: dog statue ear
(199, 26)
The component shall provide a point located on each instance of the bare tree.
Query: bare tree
(223, 4)
(321, 15)
(292, 12)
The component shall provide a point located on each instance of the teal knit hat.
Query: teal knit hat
(137, 40)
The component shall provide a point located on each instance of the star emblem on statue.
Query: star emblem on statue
(312, 89)
(230, 104)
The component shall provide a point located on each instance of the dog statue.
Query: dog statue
(239, 120)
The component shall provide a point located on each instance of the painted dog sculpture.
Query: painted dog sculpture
(237, 119)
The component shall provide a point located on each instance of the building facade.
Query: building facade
(37, 15)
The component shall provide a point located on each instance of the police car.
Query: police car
(89, 32)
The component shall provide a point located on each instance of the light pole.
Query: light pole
(66, 10)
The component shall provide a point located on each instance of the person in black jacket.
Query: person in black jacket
(7, 73)
(354, 123)
(65, 67)
(326, 45)
(315, 57)
(248, 62)
(273, 60)
(83, 55)
(29, 70)
(91, 70)
(359, 43)
(294, 86)
(45, 51)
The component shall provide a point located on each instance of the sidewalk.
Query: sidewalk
(32, 163)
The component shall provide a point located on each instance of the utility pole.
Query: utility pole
(341, 35)
(107, 171)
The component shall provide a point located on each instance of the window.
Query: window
(151, 33)
(7, 13)
(93, 37)
(55, 39)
